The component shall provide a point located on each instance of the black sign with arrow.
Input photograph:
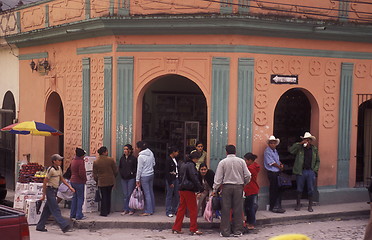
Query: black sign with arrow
(284, 79)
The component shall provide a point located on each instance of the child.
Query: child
(251, 191)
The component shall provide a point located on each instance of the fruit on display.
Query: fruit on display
(28, 171)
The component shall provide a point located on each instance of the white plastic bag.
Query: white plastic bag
(137, 200)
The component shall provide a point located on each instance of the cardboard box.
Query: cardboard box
(35, 188)
(89, 163)
(20, 199)
(32, 216)
(20, 187)
(90, 177)
(90, 206)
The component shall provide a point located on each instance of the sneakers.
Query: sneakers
(196, 233)
(66, 229)
(42, 230)
(238, 234)
(125, 213)
(170, 215)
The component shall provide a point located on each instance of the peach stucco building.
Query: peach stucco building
(173, 72)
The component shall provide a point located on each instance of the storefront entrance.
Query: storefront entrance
(174, 113)
(292, 119)
(364, 143)
(7, 141)
(54, 118)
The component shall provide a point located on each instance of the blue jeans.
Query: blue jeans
(128, 187)
(308, 177)
(147, 184)
(250, 207)
(77, 201)
(172, 198)
(51, 207)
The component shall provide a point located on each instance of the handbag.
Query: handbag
(97, 197)
(208, 212)
(137, 200)
(284, 180)
(216, 202)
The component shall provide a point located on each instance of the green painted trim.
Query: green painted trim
(86, 106)
(192, 25)
(343, 12)
(244, 6)
(87, 9)
(46, 15)
(95, 49)
(244, 133)
(107, 129)
(219, 109)
(124, 7)
(33, 56)
(18, 22)
(112, 8)
(226, 7)
(244, 49)
(344, 124)
(124, 117)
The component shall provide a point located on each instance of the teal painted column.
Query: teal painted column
(124, 6)
(124, 118)
(243, 6)
(219, 109)
(226, 6)
(344, 125)
(46, 15)
(107, 104)
(343, 9)
(87, 9)
(86, 106)
(245, 105)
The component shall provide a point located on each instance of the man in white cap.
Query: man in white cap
(305, 167)
(50, 188)
(273, 167)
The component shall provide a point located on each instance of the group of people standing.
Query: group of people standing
(189, 183)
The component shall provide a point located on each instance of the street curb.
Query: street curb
(95, 225)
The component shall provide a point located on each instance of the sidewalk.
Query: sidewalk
(160, 221)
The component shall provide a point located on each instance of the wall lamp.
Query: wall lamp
(33, 66)
(46, 65)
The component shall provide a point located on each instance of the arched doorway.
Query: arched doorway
(364, 144)
(292, 118)
(7, 141)
(174, 113)
(54, 117)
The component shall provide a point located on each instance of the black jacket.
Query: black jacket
(209, 177)
(188, 175)
(128, 167)
(170, 170)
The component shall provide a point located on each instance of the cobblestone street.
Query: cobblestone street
(324, 230)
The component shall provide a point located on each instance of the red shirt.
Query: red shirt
(252, 187)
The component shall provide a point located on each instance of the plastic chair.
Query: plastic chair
(290, 237)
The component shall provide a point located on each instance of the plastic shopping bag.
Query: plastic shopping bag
(208, 212)
(137, 200)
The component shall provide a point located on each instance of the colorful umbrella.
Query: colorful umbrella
(32, 128)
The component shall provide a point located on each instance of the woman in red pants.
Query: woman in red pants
(189, 187)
